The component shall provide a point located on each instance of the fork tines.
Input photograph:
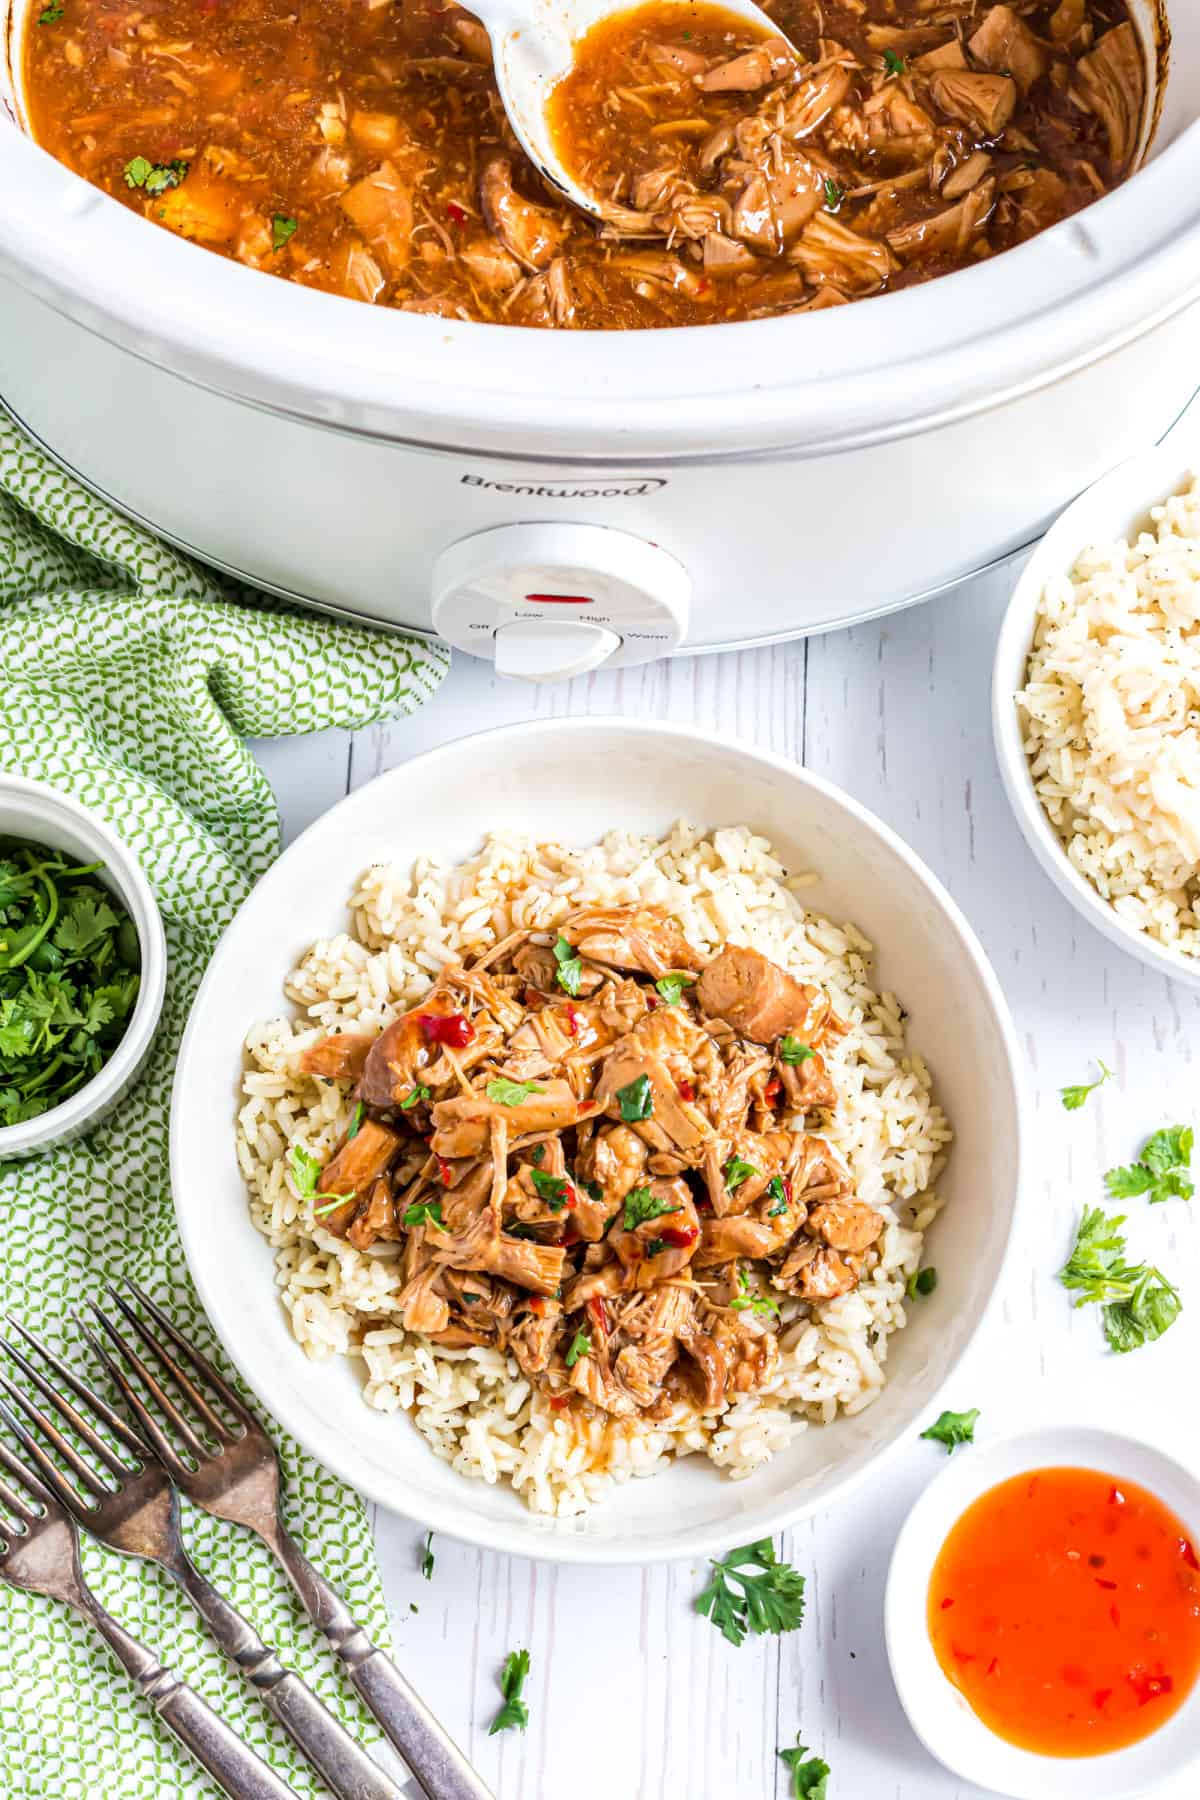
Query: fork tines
(85, 1474)
(154, 1341)
(18, 1503)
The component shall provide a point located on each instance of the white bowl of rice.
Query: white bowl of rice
(1096, 705)
(435, 861)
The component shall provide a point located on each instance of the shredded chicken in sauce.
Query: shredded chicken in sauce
(603, 1155)
(359, 146)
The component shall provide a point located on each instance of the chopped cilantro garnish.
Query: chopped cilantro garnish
(1160, 1171)
(553, 1189)
(641, 1205)
(833, 194)
(655, 1246)
(671, 985)
(427, 1557)
(514, 1711)
(736, 1171)
(752, 1591)
(921, 1283)
(636, 1100)
(750, 1300)
(1074, 1097)
(419, 1093)
(810, 1774)
(332, 1202)
(581, 1345)
(792, 1051)
(953, 1429)
(50, 15)
(779, 1197)
(282, 229)
(570, 968)
(537, 1155)
(1139, 1302)
(155, 178)
(896, 64)
(511, 1093)
(356, 1119)
(69, 977)
(425, 1212)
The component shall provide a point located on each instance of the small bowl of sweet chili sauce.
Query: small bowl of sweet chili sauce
(1043, 1617)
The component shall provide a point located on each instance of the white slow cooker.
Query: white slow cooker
(560, 500)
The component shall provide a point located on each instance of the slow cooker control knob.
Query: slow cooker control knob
(549, 600)
(546, 650)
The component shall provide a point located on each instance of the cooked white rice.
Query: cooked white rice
(474, 1406)
(1111, 705)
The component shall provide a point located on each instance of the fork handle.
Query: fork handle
(440, 1767)
(343, 1763)
(232, 1764)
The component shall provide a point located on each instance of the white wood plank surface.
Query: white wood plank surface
(632, 1696)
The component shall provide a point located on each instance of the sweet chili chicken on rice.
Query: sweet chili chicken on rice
(360, 146)
(596, 1155)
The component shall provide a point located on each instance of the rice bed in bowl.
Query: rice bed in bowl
(474, 1406)
(1111, 716)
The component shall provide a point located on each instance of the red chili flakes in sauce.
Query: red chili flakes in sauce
(686, 1091)
(679, 1236)
(772, 1090)
(1040, 1650)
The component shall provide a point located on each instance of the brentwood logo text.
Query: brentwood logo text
(567, 490)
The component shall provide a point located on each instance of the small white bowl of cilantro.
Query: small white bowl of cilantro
(83, 967)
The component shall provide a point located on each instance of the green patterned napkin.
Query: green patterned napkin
(128, 678)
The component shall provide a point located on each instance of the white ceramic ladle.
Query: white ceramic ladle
(533, 47)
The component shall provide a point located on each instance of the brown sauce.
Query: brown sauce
(361, 148)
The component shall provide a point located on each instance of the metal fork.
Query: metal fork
(39, 1552)
(238, 1480)
(139, 1516)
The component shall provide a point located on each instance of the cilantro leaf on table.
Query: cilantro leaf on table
(809, 1773)
(953, 1429)
(512, 1681)
(1139, 1302)
(752, 1590)
(427, 1557)
(1075, 1097)
(1161, 1170)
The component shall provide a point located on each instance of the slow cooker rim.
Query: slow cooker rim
(966, 340)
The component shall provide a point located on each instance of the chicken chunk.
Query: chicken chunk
(461, 1127)
(340, 1057)
(985, 103)
(1005, 44)
(947, 232)
(755, 996)
(381, 207)
(815, 1272)
(1113, 82)
(628, 937)
(528, 232)
(352, 1170)
(845, 1225)
(757, 67)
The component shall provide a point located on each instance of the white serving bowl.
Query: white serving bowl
(575, 780)
(40, 814)
(937, 1711)
(1117, 507)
